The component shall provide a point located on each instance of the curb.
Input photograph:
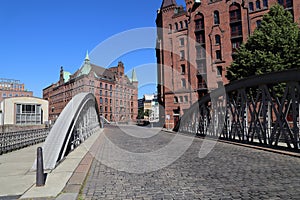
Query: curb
(72, 189)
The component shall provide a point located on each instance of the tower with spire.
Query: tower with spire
(86, 68)
(133, 76)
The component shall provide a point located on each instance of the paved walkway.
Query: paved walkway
(227, 172)
(17, 179)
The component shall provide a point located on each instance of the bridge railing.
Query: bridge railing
(260, 110)
(10, 141)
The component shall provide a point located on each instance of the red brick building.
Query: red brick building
(13, 88)
(195, 45)
(116, 94)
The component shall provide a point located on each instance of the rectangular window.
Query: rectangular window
(200, 51)
(183, 83)
(235, 15)
(182, 69)
(218, 55)
(219, 70)
(201, 67)
(181, 41)
(186, 99)
(199, 24)
(200, 38)
(218, 39)
(236, 30)
(236, 44)
(251, 7)
(180, 99)
(182, 56)
(258, 4)
(258, 22)
(28, 114)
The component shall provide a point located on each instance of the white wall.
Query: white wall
(9, 111)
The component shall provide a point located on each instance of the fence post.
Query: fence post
(40, 176)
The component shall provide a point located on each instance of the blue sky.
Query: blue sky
(37, 37)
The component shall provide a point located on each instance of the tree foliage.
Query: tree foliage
(274, 46)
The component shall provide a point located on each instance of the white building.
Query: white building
(23, 111)
(151, 104)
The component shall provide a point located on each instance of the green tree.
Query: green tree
(274, 46)
(141, 113)
(147, 112)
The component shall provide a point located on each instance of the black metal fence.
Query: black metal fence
(260, 110)
(11, 141)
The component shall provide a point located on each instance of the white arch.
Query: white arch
(57, 143)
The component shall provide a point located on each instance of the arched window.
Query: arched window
(251, 7)
(175, 99)
(218, 39)
(199, 22)
(176, 26)
(186, 23)
(235, 12)
(216, 17)
(181, 25)
(170, 28)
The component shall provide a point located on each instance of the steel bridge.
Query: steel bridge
(260, 110)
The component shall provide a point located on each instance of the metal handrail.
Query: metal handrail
(251, 111)
(10, 141)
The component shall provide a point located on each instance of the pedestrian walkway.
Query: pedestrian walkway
(227, 172)
(17, 180)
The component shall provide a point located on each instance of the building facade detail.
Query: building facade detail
(115, 92)
(13, 88)
(195, 44)
(23, 111)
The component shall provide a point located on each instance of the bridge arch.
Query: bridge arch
(78, 120)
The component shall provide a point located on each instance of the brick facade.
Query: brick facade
(116, 94)
(195, 45)
(13, 88)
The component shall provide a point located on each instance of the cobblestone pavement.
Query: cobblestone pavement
(227, 172)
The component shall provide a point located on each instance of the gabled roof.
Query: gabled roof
(167, 3)
(102, 72)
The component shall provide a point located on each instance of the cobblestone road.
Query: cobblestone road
(227, 172)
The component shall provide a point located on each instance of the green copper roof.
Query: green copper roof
(67, 76)
(87, 56)
(86, 68)
(133, 77)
